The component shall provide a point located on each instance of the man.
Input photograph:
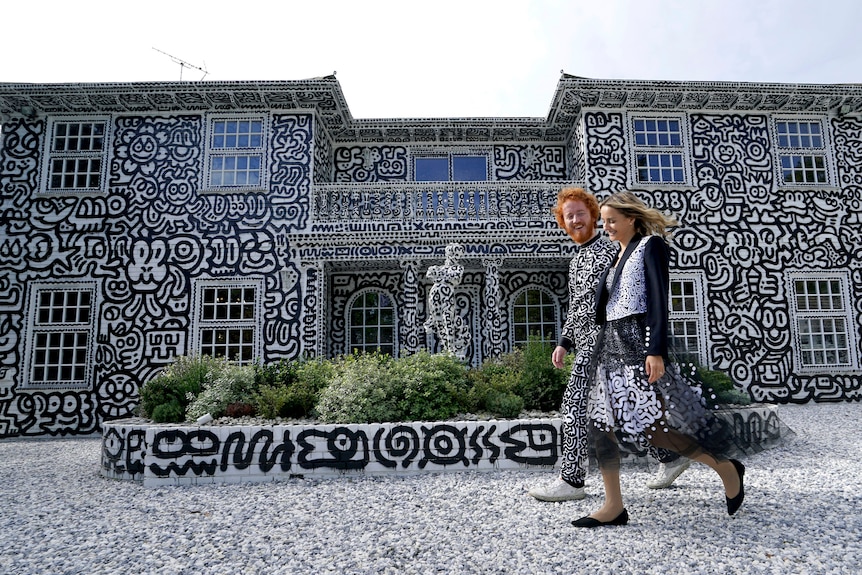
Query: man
(577, 212)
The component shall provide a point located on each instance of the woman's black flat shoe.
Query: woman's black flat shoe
(733, 504)
(621, 519)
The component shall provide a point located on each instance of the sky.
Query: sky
(433, 58)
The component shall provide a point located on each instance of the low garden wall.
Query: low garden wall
(159, 454)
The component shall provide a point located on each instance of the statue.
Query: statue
(444, 321)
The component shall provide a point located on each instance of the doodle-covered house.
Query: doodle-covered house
(261, 221)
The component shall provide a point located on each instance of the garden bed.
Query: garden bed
(182, 454)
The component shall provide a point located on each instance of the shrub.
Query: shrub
(496, 379)
(164, 398)
(542, 385)
(291, 390)
(269, 400)
(358, 391)
(234, 384)
(281, 373)
(376, 388)
(170, 412)
(723, 386)
(504, 404)
(312, 376)
(427, 387)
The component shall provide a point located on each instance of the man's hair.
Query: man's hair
(578, 195)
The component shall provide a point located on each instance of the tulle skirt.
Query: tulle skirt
(631, 415)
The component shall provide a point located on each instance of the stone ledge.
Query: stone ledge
(159, 454)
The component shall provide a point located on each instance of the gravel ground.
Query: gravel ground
(801, 515)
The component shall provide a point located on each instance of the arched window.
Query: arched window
(534, 313)
(371, 323)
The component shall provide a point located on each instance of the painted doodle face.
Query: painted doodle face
(580, 224)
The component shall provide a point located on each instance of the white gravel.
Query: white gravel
(801, 515)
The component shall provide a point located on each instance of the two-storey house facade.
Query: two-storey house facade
(261, 221)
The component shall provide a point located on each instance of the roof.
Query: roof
(324, 97)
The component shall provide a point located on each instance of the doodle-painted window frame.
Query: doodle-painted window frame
(76, 154)
(372, 325)
(802, 151)
(823, 326)
(236, 153)
(528, 313)
(686, 321)
(659, 145)
(228, 319)
(59, 348)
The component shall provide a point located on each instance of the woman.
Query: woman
(638, 397)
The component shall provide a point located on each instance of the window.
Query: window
(235, 153)
(822, 320)
(534, 313)
(62, 332)
(659, 149)
(229, 322)
(685, 318)
(76, 155)
(801, 152)
(372, 323)
(450, 168)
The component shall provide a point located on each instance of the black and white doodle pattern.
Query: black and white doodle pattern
(170, 455)
(338, 213)
(144, 243)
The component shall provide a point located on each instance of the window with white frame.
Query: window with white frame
(229, 321)
(371, 325)
(801, 152)
(534, 313)
(63, 318)
(450, 168)
(235, 153)
(823, 321)
(659, 150)
(76, 154)
(685, 318)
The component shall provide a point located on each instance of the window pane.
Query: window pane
(469, 169)
(372, 323)
(534, 312)
(431, 170)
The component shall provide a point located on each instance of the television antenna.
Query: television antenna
(184, 64)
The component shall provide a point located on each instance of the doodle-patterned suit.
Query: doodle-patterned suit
(580, 332)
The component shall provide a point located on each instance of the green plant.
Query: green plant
(723, 387)
(234, 384)
(358, 391)
(542, 385)
(427, 387)
(503, 404)
(496, 379)
(164, 398)
(375, 388)
(281, 373)
(269, 400)
(291, 388)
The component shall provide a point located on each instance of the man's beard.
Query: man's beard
(583, 234)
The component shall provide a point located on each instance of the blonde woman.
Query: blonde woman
(638, 397)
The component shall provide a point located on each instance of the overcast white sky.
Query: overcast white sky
(433, 58)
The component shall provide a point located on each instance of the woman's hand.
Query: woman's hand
(654, 367)
(558, 356)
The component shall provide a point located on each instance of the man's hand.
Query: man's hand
(558, 356)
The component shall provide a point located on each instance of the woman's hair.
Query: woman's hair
(578, 195)
(648, 220)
